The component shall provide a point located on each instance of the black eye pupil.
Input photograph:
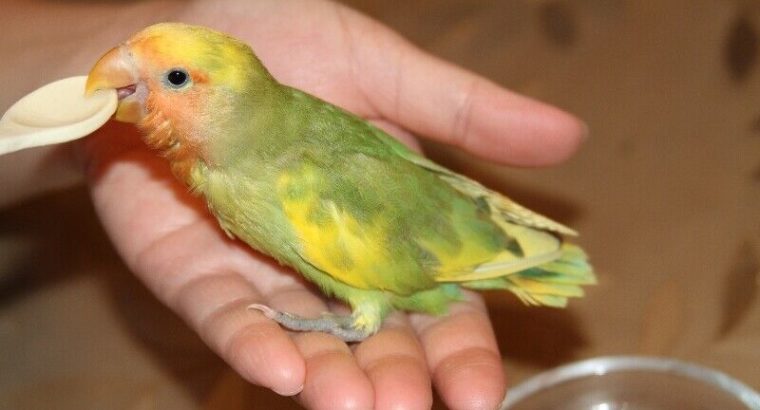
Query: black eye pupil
(177, 77)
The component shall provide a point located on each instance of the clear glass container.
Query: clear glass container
(632, 383)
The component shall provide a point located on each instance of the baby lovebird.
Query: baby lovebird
(325, 192)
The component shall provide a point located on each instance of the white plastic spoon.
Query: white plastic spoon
(55, 113)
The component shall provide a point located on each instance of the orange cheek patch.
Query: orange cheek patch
(169, 129)
(186, 111)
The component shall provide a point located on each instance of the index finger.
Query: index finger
(431, 97)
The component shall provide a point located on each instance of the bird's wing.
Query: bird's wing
(509, 209)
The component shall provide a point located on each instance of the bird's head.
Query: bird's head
(178, 82)
(172, 66)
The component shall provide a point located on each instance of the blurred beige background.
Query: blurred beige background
(665, 193)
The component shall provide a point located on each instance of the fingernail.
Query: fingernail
(288, 393)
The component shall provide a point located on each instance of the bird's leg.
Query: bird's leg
(338, 325)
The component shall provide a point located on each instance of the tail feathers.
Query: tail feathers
(549, 284)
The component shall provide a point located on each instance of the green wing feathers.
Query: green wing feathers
(509, 210)
(541, 269)
(547, 271)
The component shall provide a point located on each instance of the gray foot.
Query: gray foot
(341, 326)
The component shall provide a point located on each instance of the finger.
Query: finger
(257, 348)
(333, 378)
(462, 356)
(395, 364)
(400, 134)
(437, 99)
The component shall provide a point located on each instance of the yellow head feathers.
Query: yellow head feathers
(207, 54)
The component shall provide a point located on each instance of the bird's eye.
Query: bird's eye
(177, 77)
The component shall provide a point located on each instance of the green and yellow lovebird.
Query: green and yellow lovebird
(356, 212)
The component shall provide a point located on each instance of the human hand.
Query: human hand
(171, 242)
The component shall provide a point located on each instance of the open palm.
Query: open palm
(171, 242)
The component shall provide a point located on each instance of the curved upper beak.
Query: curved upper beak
(116, 70)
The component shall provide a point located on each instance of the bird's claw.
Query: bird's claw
(340, 326)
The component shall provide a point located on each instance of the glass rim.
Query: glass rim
(610, 364)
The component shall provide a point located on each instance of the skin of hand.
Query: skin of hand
(168, 238)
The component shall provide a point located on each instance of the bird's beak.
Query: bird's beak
(116, 70)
